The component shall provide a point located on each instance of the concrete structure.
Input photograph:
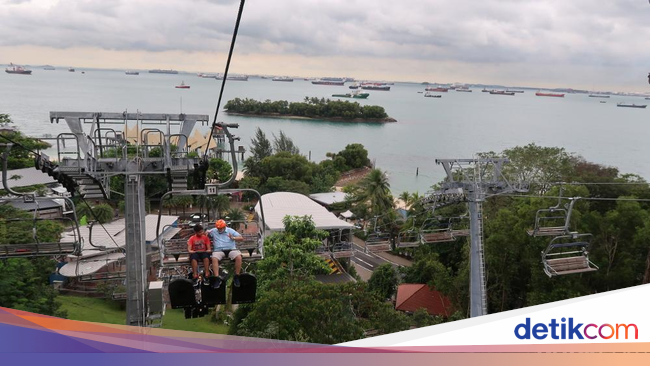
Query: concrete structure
(46, 209)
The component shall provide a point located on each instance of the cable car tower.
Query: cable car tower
(472, 181)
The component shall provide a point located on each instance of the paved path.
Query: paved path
(370, 261)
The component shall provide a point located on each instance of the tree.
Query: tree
(260, 146)
(374, 189)
(355, 156)
(103, 213)
(219, 170)
(284, 143)
(384, 281)
(20, 157)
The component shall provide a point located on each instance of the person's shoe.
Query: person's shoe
(217, 283)
(235, 281)
(196, 281)
(206, 281)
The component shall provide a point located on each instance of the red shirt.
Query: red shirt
(199, 244)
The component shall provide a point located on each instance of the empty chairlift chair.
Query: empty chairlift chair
(553, 221)
(408, 239)
(568, 254)
(434, 231)
(378, 242)
(457, 230)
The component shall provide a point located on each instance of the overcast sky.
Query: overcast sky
(600, 45)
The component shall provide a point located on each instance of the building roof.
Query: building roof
(31, 206)
(28, 177)
(328, 198)
(114, 235)
(89, 265)
(280, 204)
(413, 296)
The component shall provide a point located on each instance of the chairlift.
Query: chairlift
(435, 231)
(36, 248)
(456, 231)
(341, 245)
(567, 254)
(378, 242)
(555, 220)
(408, 239)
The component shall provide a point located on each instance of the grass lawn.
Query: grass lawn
(106, 311)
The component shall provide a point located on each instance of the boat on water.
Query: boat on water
(163, 71)
(375, 86)
(648, 98)
(355, 86)
(233, 77)
(627, 105)
(501, 92)
(71, 69)
(514, 91)
(283, 78)
(430, 95)
(356, 94)
(557, 95)
(326, 82)
(598, 96)
(182, 86)
(436, 89)
(464, 90)
(602, 101)
(132, 72)
(485, 90)
(48, 67)
(17, 69)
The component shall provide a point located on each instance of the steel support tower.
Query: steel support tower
(472, 180)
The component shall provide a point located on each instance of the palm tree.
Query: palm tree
(375, 189)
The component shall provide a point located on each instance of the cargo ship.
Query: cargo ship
(357, 94)
(375, 86)
(233, 78)
(631, 105)
(132, 72)
(557, 95)
(598, 96)
(437, 89)
(283, 78)
(162, 71)
(429, 95)
(501, 92)
(16, 69)
(327, 82)
(48, 67)
(514, 91)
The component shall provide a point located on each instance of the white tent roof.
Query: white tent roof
(116, 236)
(89, 265)
(347, 214)
(280, 204)
(328, 198)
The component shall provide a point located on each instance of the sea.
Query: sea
(458, 125)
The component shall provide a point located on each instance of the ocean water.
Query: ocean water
(458, 125)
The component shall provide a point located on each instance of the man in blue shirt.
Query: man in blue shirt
(223, 245)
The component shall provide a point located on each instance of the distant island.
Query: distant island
(310, 108)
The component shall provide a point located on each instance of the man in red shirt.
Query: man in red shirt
(199, 247)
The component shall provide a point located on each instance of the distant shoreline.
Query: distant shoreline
(329, 119)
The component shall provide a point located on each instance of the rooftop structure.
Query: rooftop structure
(280, 204)
(413, 296)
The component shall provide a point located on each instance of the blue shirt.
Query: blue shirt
(221, 241)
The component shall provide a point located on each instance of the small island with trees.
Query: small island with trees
(310, 108)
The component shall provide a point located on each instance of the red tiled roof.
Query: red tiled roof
(411, 296)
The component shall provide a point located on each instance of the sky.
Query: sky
(585, 44)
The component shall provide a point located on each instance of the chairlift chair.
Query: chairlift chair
(567, 254)
(408, 239)
(378, 242)
(553, 221)
(434, 231)
(341, 245)
(457, 232)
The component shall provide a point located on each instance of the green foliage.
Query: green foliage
(311, 107)
(20, 157)
(384, 281)
(373, 192)
(284, 143)
(354, 156)
(103, 212)
(21, 232)
(219, 170)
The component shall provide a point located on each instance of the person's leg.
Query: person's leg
(238, 265)
(206, 266)
(236, 256)
(195, 268)
(216, 256)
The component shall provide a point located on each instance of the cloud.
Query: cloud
(538, 32)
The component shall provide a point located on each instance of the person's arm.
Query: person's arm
(189, 246)
(209, 246)
(236, 236)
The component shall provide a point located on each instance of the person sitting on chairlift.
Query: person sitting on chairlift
(199, 247)
(223, 245)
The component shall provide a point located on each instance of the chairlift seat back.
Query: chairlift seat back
(245, 293)
(181, 294)
(408, 240)
(211, 296)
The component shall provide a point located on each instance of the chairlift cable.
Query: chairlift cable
(102, 225)
(225, 75)
(581, 198)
